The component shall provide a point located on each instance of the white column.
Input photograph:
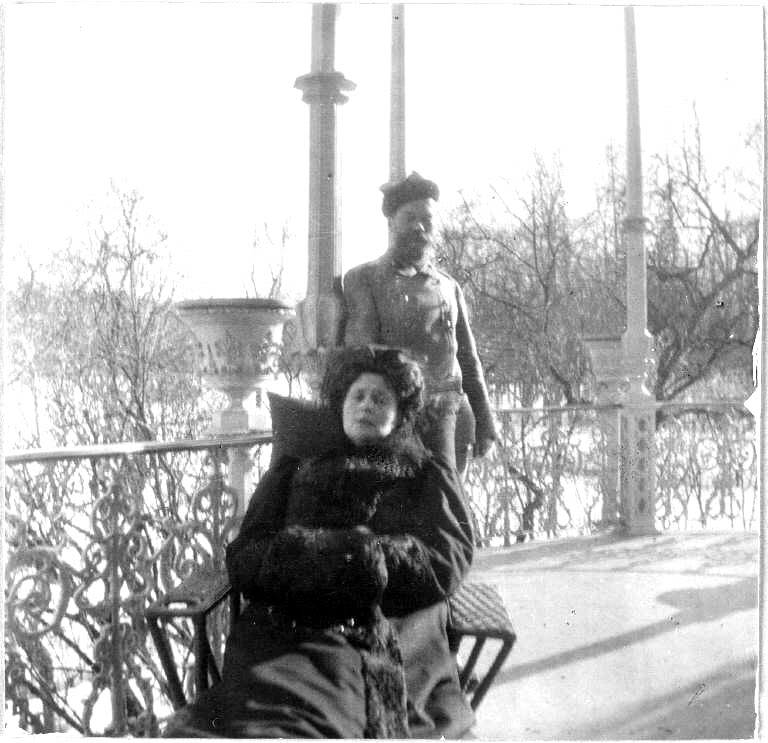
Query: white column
(637, 338)
(638, 416)
(319, 314)
(397, 96)
(397, 100)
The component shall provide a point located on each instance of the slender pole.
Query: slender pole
(637, 313)
(397, 96)
(323, 88)
(637, 421)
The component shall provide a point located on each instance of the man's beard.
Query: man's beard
(411, 248)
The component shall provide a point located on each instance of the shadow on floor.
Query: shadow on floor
(720, 706)
(694, 605)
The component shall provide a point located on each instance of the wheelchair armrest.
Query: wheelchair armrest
(477, 611)
(194, 597)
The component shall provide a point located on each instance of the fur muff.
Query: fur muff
(344, 490)
(322, 576)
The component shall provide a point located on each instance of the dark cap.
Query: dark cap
(412, 188)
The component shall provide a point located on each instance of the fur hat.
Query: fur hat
(412, 188)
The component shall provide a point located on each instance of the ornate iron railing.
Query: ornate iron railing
(94, 534)
(706, 468)
(551, 473)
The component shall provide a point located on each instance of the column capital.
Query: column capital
(324, 87)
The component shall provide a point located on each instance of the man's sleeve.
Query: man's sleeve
(473, 380)
(362, 318)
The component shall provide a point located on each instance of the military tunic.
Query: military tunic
(424, 312)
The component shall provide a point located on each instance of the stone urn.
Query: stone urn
(238, 347)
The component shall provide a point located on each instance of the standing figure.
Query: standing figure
(403, 300)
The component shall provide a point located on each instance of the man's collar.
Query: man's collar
(428, 269)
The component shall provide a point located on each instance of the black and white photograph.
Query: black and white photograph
(380, 370)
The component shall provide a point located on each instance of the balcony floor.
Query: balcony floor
(644, 638)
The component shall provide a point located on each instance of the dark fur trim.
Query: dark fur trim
(386, 698)
(409, 573)
(342, 490)
(403, 442)
(405, 553)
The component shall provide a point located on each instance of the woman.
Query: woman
(346, 560)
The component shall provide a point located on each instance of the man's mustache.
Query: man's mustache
(413, 238)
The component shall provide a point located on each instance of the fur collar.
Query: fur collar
(342, 489)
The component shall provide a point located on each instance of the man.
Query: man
(402, 299)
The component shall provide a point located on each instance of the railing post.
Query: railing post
(241, 476)
(605, 353)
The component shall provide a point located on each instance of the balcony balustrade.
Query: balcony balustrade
(553, 473)
(94, 534)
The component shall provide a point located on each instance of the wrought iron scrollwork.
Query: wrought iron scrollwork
(82, 599)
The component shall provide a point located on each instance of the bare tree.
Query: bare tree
(537, 280)
(522, 277)
(268, 272)
(99, 356)
(702, 305)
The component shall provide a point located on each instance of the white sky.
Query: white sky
(193, 105)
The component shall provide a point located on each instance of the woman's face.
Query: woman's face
(369, 413)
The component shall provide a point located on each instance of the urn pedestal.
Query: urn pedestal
(238, 346)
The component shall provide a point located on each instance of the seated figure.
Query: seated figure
(346, 560)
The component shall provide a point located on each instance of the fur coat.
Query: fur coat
(330, 550)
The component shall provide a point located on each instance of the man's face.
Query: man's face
(412, 228)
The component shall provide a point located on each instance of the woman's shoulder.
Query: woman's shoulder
(278, 474)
